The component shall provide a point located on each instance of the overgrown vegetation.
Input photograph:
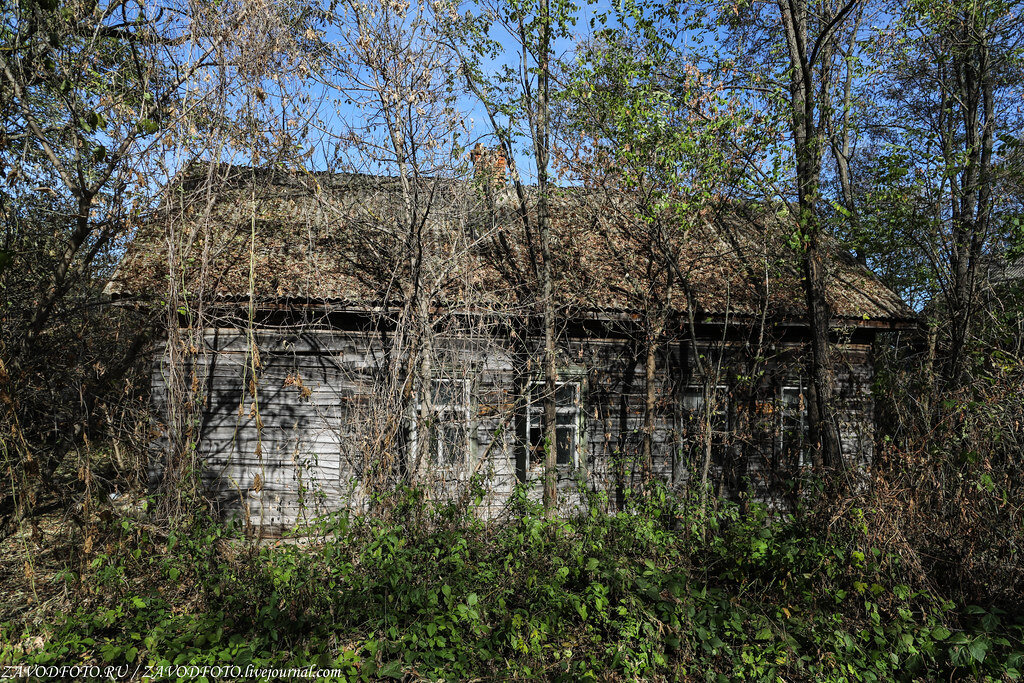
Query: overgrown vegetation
(891, 126)
(655, 592)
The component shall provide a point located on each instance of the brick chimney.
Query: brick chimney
(489, 164)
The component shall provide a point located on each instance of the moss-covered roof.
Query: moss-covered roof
(342, 239)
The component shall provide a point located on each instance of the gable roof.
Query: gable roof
(337, 239)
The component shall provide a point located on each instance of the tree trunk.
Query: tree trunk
(807, 142)
(824, 431)
(971, 210)
(54, 285)
(547, 289)
(649, 379)
(841, 144)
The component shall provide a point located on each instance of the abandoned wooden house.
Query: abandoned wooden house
(341, 332)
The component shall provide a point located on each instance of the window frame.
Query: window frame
(785, 411)
(721, 412)
(535, 408)
(441, 414)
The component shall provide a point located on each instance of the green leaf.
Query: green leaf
(392, 669)
(940, 633)
(978, 649)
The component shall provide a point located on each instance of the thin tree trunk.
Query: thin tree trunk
(547, 288)
(53, 290)
(972, 208)
(706, 441)
(824, 433)
(808, 143)
(649, 379)
(841, 146)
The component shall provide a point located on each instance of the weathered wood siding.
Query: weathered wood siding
(284, 431)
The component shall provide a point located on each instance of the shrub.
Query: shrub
(638, 595)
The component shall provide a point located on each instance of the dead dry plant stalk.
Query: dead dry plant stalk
(250, 47)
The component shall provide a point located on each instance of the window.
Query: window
(567, 422)
(694, 419)
(793, 425)
(448, 425)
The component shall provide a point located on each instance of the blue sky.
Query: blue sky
(335, 113)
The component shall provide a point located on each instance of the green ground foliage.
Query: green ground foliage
(663, 591)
